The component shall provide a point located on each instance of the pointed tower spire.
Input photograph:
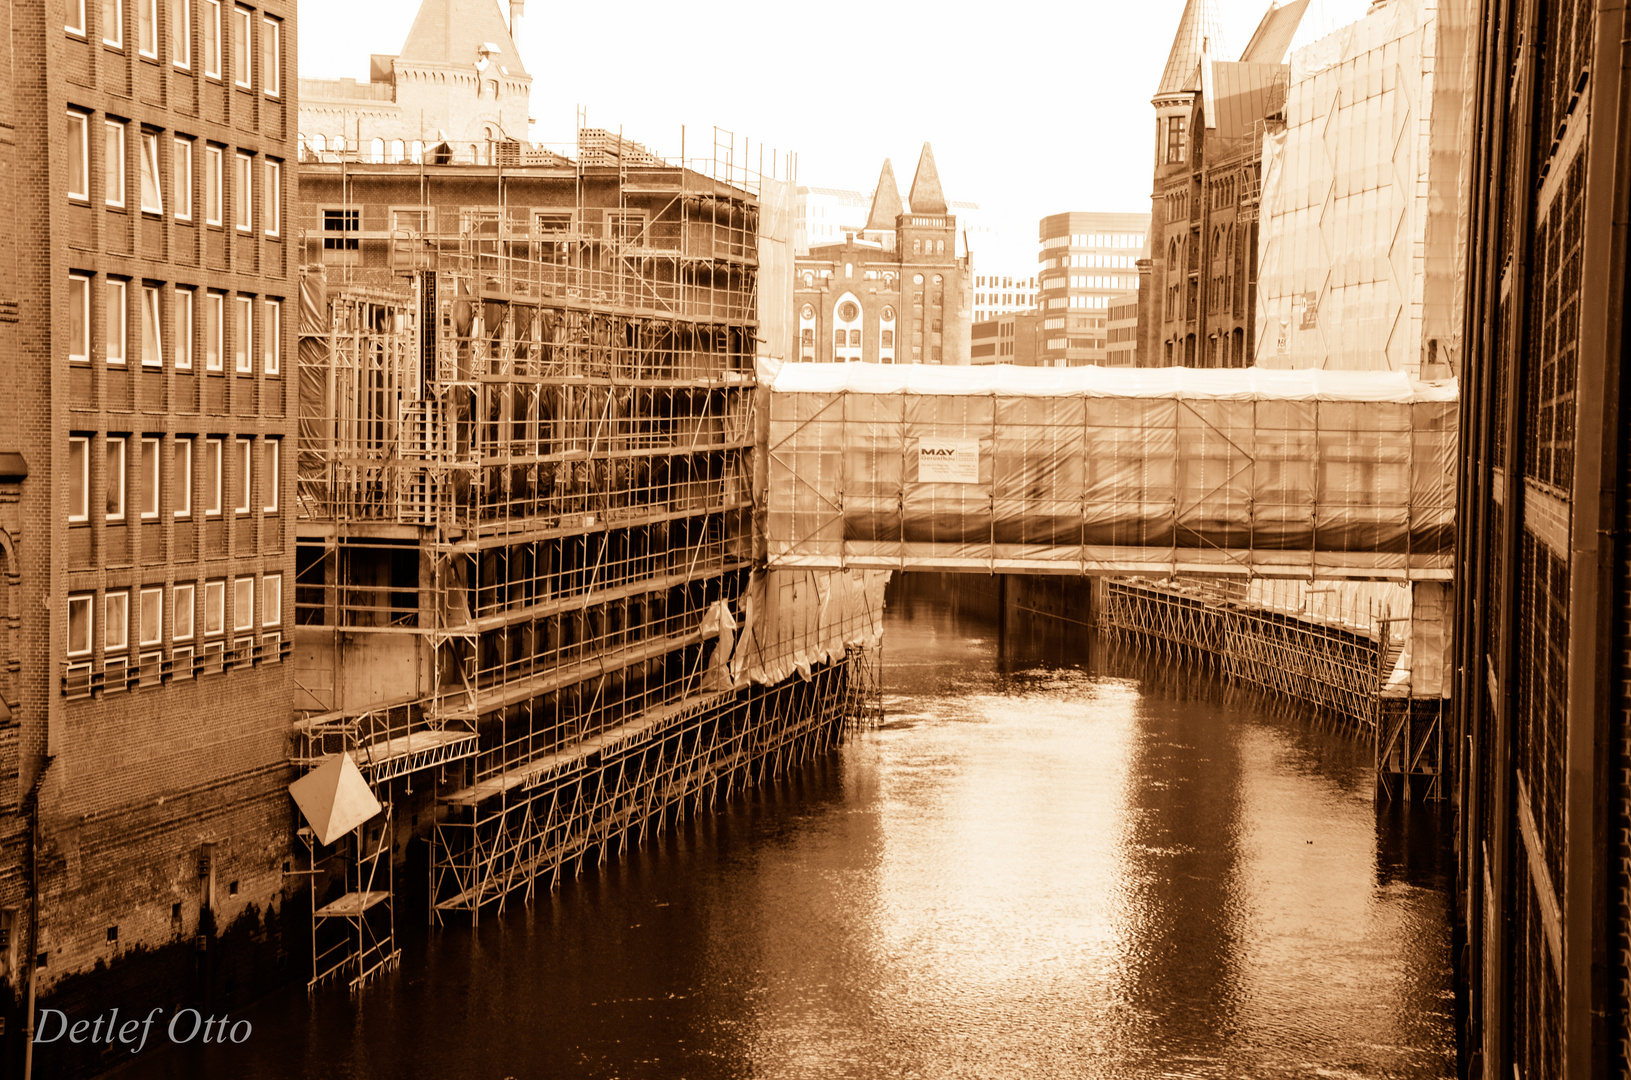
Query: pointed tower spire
(886, 205)
(1197, 33)
(926, 196)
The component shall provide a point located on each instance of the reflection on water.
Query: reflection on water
(1049, 862)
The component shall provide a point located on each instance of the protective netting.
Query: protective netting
(1102, 470)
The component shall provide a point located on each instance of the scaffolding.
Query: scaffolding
(526, 515)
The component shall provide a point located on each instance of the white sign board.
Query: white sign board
(948, 461)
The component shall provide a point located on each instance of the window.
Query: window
(336, 223)
(241, 22)
(243, 333)
(113, 167)
(182, 621)
(184, 329)
(147, 28)
(215, 603)
(212, 477)
(1175, 140)
(182, 192)
(272, 192)
(152, 355)
(212, 185)
(181, 33)
(272, 600)
(79, 318)
(76, 17)
(272, 56)
(184, 478)
(116, 319)
(79, 478)
(272, 338)
(243, 603)
(113, 23)
(242, 211)
(270, 478)
(79, 156)
(212, 38)
(116, 621)
(214, 317)
(79, 624)
(150, 617)
(246, 451)
(150, 479)
(116, 478)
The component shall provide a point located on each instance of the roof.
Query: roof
(1197, 32)
(451, 33)
(1272, 38)
(886, 205)
(926, 197)
(1243, 94)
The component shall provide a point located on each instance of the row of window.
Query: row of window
(183, 302)
(239, 34)
(121, 452)
(186, 614)
(1090, 261)
(1054, 303)
(1003, 299)
(151, 170)
(1098, 240)
(980, 282)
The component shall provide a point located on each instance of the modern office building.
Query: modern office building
(824, 215)
(893, 292)
(1121, 331)
(1002, 294)
(1083, 260)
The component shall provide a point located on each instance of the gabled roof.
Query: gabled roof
(1272, 39)
(886, 206)
(1197, 33)
(926, 197)
(1243, 94)
(451, 33)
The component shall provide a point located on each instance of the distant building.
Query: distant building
(1121, 331)
(1012, 338)
(1084, 260)
(823, 215)
(893, 291)
(458, 84)
(1004, 294)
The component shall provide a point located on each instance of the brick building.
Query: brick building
(893, 292)
(1011, 338)
(148, 550)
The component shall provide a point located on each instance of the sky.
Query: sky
(1033, 108)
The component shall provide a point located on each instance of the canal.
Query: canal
(1051, 860)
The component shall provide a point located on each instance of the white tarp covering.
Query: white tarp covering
(795, 619)
(1114, 471)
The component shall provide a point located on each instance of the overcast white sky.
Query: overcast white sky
(1033, 107)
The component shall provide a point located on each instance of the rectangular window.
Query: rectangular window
(215, 608)
(79, 318)
(79, 623)
(270, 478)
(242, 209)
(184, 329)
(212, 185)
(182, 596)
(147, 27)
(241, 22)
(212, 477)
(79, 478)
(152, 354)
(272, 56)
(243, 335)
(182, 193)
(338, 223)
(116, 621)
(272, 192)
(214, 320)
(113, 165)
(117, 318)
(152, 196)
(116, 479)
(272, 600)
(243, 603)
(212, 38)
(181, 33)
(151, 627)
(76, 17)
(246, 452)
(272, 338)
(184, 478)
(79, 156)
(150, 478)
(113, 23)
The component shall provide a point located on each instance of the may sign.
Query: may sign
(948, 461)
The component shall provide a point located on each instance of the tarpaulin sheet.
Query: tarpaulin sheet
(795, 619)
(1111, 470)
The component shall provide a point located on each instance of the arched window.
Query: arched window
(319, 143)
(396, 150)
(416, 152)
(376, 150)
(917, 247)
(339, 144)
(939, 247)
(849, 270)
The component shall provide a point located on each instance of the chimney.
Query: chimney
(516, 8)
